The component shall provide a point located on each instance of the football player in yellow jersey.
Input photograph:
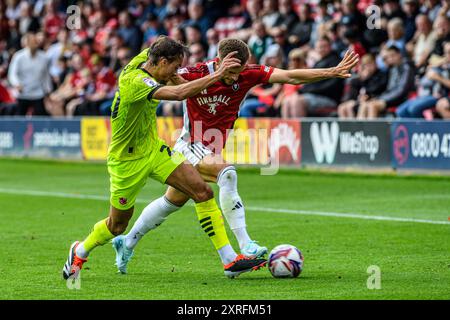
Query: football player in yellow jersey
(136, 153)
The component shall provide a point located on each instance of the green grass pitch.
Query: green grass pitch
(42, 213)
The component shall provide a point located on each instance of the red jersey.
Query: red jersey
(217, 107)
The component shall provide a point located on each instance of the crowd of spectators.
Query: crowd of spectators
(62, 58)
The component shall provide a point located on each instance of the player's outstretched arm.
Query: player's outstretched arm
(299, 76)
(189, 89)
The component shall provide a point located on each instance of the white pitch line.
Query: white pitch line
(250, 208)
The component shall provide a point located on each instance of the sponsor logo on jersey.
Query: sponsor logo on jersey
(213, 102)
(266, 69)
(212, 107)
(150, 82)
(182, 71)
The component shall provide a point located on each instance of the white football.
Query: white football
(285, 261)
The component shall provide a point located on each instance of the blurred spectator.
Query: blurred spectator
(14, 38)
(96, 98)
(237, 20)
(151, 29)
(395, 38)
(270, 14)
(4, 58)
(4, 23)
(213, 43)
(7, 102)
(431, 8)
(297, 60)
(320, 19)
(433, 86)
(400, 84)
(411, 10)
(60, 48)
(13, 9)
(197, 16)
(117, 30)
(392, 9)
(261, 99)
(123, 57)
(287, 16)
(442, 29)
(26, 21)
(334, 32)
(30, 77)
(74, 84)
(320, 97)
(178, 34)
(193, 34)
(367, 84)
(259, 40)
(423, 41)
(352, 17)
(443, 108)
(53, 21)
(196, 53)
(352, 41)
(129, 32)
(300, 34)
(279, 37)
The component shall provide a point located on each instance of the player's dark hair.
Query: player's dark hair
(229, 45)
(165, 47)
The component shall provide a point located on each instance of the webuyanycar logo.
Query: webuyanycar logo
(401, 144)
(354, 141)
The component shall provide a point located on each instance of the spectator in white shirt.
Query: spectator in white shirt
(29, 75)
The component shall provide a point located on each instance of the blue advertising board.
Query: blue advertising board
(420, 144)
(45, 137)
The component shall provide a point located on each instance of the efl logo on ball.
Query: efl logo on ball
(285, 261)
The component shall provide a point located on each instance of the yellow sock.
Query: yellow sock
(98, 236)
(211, 220)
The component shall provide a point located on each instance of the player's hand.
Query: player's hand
(228, 62)
(350, 60)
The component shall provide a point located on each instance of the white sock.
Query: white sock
(227, 254)
(151, 217)
(231, 204)
(81, 251)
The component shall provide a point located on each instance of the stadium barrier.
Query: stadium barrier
(345, 143)
(421, 145)
(318, 142)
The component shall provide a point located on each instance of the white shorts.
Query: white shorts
(194, 152)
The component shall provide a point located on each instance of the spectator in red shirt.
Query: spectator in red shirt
(53, 22)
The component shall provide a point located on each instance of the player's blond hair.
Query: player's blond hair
(232, 44)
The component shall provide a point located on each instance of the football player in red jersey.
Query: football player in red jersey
(208, 117)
